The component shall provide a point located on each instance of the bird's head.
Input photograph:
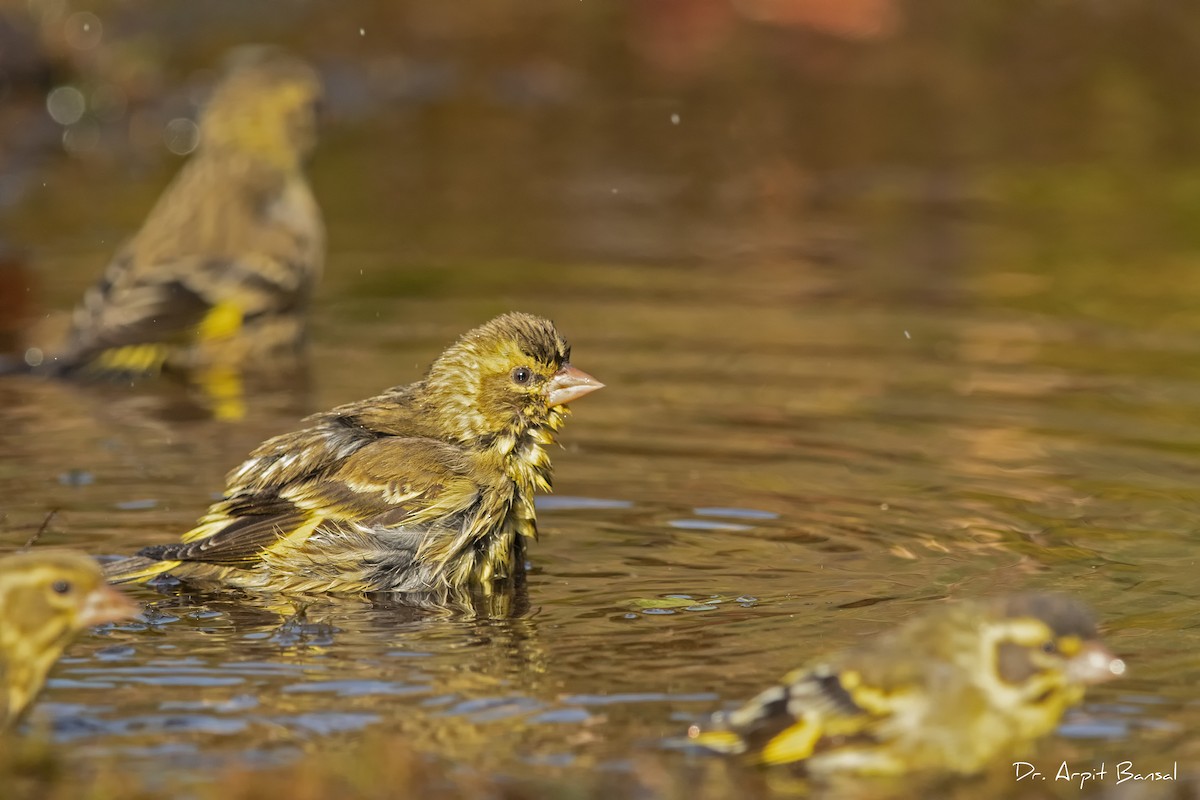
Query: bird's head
(46, 598)
(504, 379)
(54, 594)
(1046, 650)
(264, 106)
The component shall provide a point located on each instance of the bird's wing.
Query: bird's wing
(388, 483)
(321, 445)
(126, 308)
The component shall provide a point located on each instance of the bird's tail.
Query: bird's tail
(718, 741)
(128, 362)
(57, 366)
(136, 569)
(13, 365)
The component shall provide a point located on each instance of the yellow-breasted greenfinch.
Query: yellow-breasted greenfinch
(46, 598)
(424, 488)
(949, 691)
(221, 272)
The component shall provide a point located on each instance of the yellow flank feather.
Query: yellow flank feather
(297, 537)
(221, 272)
(952, 691)
(424, 488)
(137, 570)
(223, 321)
(793, 743)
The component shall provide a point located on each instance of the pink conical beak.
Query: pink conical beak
(1095, 664)
(106, 604)
(569, 384)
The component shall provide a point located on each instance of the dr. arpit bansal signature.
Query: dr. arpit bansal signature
(1120, 772)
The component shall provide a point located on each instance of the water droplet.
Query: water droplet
(83, 30)
(66, 105)
(181, 136)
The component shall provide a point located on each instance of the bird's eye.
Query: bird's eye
(522, 375)
(1050, 648)
(61, 587)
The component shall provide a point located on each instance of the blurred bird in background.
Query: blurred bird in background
(426, 488)
(949, 692)
(218, 279)
(47, 597)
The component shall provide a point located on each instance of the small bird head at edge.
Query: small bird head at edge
(507, 377)
(46, 598)
(45, 584)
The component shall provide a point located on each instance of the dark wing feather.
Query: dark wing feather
(254, 524)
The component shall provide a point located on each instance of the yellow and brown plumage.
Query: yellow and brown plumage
(221, 271)
(424, 488)
(949, 692)
(46, 598)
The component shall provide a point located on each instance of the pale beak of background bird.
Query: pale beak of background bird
(1095, 664)
(106, 604)
(569, 384)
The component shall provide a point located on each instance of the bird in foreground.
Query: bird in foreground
(47, 597)
(424, 488)
(220, 274)
(948, 692)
